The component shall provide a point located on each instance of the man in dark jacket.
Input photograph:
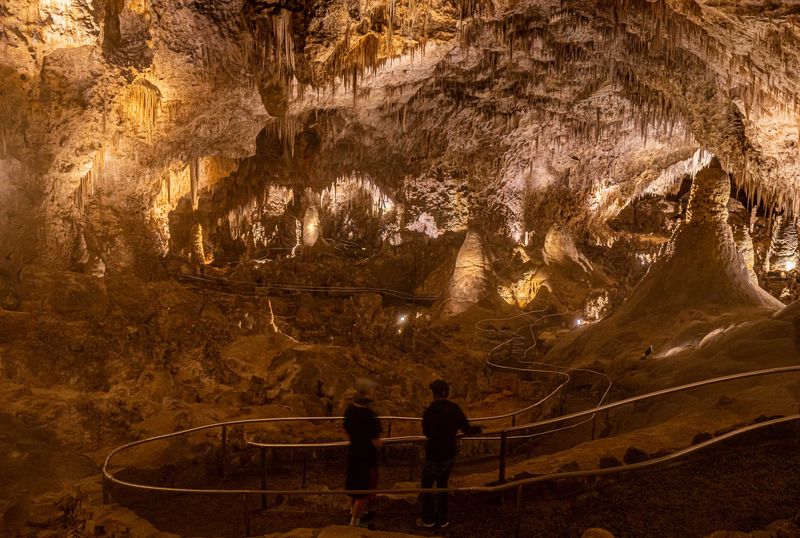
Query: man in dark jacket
(441, 423)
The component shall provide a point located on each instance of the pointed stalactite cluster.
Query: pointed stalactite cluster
(348, 191)
(142, 107)
(89, 181)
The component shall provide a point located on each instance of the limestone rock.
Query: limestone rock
(596, 533)
(471, 279)
(635, 455)
(607, 461)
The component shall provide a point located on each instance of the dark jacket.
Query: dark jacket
(362, 426)
(441, 423)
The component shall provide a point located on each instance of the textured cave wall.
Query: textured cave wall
(109, 96)
(535, 113)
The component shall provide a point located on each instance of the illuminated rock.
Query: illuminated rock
(471, 280)
(783, 253)
(311, 226)
(702, 266)
(559, 248)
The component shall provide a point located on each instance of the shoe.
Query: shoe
(444, 525)
(359, 523)
(424, 524)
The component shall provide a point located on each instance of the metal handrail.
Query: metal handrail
(290, 287)
(107, 475)
(474, 489)
(512, 337)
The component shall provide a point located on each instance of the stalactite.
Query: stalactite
(86, 185)
(142, 107)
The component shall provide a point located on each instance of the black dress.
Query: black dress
(362, 425)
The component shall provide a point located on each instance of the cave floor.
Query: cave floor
(741, 487)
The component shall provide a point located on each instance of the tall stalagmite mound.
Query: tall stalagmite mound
(471, 280)
(687, 293)
(702, 268)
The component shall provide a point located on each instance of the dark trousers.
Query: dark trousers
(435, 474)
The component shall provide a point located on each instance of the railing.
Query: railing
(502, 485)
(262, 289)
(490, 360)
(514, 342)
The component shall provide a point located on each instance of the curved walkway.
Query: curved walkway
(503, 432)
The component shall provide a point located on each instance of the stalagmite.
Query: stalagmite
(702, 266)
(311, 226)
(471, 280)
(782, 254)
(298, 235)
(198, 248)
(194, 180)
(744, 244)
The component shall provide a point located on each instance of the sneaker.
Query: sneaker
(424, 524)
(444, 525)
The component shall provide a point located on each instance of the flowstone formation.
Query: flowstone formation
(701, 268)
(471, 281)
(699, 277)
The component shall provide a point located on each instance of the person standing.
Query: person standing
(441, 423)
(363, 429)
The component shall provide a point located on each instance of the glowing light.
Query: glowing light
(578, 322)
(402, 319)
(790, 265)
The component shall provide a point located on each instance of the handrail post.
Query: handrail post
(106, 492)
(594, 426)
(246, 515)
(503, 447)
(389, 428)
(303, 485)
(223, 450)
(518, 517)
(513, 420)
(263, 477)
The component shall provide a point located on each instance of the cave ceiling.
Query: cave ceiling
(107, 104)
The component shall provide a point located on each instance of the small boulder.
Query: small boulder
(596, 533)
(608, 461)
(9, 300)
(257, 393)
(634, 455)
(701, 438)
(570, 467)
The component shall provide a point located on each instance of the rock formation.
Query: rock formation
(701, 267)
(471, 281)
